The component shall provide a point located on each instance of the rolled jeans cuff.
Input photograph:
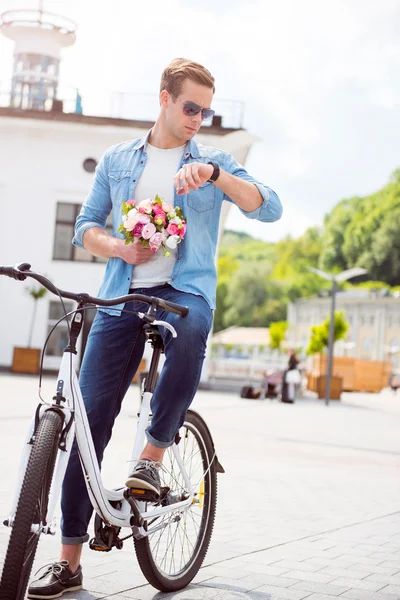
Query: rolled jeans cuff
(72, 541)
(156, 443)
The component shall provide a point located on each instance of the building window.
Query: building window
(59, 338)
(367, 347)
(67, 213)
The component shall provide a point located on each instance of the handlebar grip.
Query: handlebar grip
(15, 273)
(178, 309)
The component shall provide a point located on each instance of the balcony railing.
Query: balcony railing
(118, 105)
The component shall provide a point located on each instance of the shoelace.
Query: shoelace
(55, 568)
(150, 465)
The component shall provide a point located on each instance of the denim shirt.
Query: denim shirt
(195, 270)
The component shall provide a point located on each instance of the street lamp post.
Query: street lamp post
(335, 279)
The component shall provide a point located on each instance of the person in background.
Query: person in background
(291, 378)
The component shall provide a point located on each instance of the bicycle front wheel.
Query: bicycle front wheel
(31, 509)
(171, 556)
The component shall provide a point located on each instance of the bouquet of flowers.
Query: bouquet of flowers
(153, 223)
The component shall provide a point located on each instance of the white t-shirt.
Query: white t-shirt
(157, 178)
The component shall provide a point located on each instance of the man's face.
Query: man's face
(184, 127)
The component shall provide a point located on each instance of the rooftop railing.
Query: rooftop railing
(117, 105)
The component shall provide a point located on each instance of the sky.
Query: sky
(319, 80)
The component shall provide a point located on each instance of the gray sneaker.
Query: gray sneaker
(145, 477)
(55, 581)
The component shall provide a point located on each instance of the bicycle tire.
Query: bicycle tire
(31, 507)
(151, 569)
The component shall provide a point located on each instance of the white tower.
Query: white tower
(39, 37)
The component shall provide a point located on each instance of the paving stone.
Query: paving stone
(306, 576)
(269, 580)
(298, 566)
(392, 589)
(322, 588)
(354, 594)
(349, 572)
(367, 570)
(269, 592)
(390, 580)
(321, 597)
(358, 584)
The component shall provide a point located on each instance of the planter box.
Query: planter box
(26, 360)
(141, 368)
(358, 375)
(336, 387)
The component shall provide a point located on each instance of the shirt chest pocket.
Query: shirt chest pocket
(203, 199)
(120, 185)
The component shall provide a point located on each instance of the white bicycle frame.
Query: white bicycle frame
(73, 408)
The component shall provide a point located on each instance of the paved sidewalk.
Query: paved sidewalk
(308, 506)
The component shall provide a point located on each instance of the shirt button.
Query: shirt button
(179, 258)
(133, 180)
(172, 278)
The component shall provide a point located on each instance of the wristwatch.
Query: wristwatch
(216, 171)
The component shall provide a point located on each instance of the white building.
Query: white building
(47, 158)
(373, 318)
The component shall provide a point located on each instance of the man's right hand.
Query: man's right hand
(134, 254)
(98, 242)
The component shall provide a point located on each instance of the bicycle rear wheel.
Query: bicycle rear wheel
(171, 557)
(31, 508)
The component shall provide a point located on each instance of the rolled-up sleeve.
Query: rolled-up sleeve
(271, 207)
(97, 206)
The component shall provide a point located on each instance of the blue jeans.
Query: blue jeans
(112, 356)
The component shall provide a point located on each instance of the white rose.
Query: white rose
(132, 212)
(131, 222)
(124, 218)
(172, 241)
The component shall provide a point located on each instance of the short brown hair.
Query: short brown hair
(180, 69)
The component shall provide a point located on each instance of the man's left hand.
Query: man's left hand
(191, 177)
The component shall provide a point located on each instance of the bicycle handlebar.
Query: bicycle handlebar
(21, 271)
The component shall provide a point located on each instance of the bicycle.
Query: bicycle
(183, 513)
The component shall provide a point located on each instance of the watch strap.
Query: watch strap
(216, 171)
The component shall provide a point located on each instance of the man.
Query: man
(167, 162)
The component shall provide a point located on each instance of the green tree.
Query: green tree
(320, 333)
(277, 332)
(36, 294)
(336, 224)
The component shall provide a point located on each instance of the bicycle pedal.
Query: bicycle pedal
(144, 495)
(98, 545)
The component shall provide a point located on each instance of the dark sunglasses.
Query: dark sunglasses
(191, 108)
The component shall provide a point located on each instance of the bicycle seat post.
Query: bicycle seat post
(153, 334)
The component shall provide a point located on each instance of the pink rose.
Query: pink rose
(137, 231)
(133, 202)
(155, 242)
(173, 229)
(145, 206)
(148, 230)
(157, 209)
(167, 207)
(182, 231)
(142, 218)
(159, 219)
